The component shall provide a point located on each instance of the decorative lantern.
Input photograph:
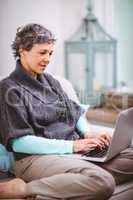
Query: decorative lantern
(90, 59)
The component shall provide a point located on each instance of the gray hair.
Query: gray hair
(29, 35)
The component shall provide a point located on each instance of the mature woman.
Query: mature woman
(39, 124)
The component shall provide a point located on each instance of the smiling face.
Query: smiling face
(37, 58)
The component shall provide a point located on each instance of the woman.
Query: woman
(39, 125)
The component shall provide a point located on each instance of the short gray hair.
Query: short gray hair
(29, 35)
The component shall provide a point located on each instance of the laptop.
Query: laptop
(122, 135)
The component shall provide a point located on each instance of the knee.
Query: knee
(104, 186)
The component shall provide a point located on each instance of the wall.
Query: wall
(123, 29)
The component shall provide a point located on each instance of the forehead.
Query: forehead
(43, 46)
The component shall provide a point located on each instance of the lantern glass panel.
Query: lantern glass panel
(103, 70)
(90, 59)
(77, 66)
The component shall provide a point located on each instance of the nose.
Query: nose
(46, 58)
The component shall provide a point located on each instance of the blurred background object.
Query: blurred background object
(91, 53)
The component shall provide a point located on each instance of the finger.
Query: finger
(107, 138)
(104, 141)
(99, 143)
(90, 147)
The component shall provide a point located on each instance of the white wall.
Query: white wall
(123, 25)
(104, 11)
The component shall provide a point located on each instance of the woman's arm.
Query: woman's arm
(83, 125)
(37, 145)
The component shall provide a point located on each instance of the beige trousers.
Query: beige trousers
(53, 177)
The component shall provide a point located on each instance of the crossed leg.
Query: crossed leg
(57, 177)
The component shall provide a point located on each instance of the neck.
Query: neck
(27, 68)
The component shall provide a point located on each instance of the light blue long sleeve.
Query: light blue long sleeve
(83, 124)
(38, 145)
(6, 159)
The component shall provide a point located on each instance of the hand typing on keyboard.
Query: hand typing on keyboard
(104, 138)
(97, 152)
(90, 143)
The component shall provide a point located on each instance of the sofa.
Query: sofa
(122, 192)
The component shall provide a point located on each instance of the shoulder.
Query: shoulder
(8, 88)
(7, 83)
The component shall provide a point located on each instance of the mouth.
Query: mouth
(43, 66)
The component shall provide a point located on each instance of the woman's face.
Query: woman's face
(36, 59)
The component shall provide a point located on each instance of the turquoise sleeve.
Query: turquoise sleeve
(37, 145)
(6, 159)
(83, 125)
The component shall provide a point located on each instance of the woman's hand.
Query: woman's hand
(83, 145)
(104, 138)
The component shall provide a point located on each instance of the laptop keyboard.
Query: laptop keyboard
(97, 152)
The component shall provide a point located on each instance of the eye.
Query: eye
(51, 53)
(43, 52)
(46, 52)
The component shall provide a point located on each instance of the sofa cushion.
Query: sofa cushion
(123, 191)
(6, 159)
(123, 187)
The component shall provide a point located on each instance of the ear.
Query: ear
(21, 52)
